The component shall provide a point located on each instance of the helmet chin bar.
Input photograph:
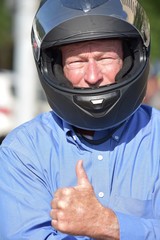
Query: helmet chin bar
(97, 105)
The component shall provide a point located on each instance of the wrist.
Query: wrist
(107, 226)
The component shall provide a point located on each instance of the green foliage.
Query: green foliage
(5, 24)
(5, 37)
(152, 9)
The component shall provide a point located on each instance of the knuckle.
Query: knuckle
(63, 192)
(54, 214)
(62, 226)
(53, 204)
(63, 203)
(60, 216)
(67, 191)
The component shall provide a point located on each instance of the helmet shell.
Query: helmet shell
(60, 22)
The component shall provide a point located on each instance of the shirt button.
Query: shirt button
(116, 137)
(100, 157)
(101, 194)
(74, 137)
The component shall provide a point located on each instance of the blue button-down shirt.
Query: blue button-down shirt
(40, 156)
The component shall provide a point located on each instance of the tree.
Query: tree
(152, 9)
(6, 41)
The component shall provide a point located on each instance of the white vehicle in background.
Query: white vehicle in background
(6, 103)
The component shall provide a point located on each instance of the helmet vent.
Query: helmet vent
(84, 5)
(97, 105)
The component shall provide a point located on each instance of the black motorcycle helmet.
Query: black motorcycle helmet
(61, 22)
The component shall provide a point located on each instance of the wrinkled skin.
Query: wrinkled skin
(92, 63)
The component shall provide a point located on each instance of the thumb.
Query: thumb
(81, 174)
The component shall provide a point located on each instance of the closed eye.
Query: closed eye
(76, 64)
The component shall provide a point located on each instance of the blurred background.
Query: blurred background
(21, 96)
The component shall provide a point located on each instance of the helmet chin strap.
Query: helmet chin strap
(63, 81)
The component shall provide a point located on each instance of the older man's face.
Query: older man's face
(92, 63)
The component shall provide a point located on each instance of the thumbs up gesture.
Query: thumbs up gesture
(76, 211)
(81, 175)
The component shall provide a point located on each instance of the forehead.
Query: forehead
(95, 45)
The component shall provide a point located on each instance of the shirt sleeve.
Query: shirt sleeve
(133, 227)
(25, 198)
(136, 228)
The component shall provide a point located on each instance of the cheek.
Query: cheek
(74, 76)
(111, 71)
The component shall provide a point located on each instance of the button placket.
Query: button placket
(100, 177)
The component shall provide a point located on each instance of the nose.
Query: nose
(93, 75)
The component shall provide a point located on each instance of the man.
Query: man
(89, 169)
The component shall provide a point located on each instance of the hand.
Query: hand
(76, 211)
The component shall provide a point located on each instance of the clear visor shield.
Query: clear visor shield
(86, 20)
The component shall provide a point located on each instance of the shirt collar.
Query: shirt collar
(68, 129)
(119, 132)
